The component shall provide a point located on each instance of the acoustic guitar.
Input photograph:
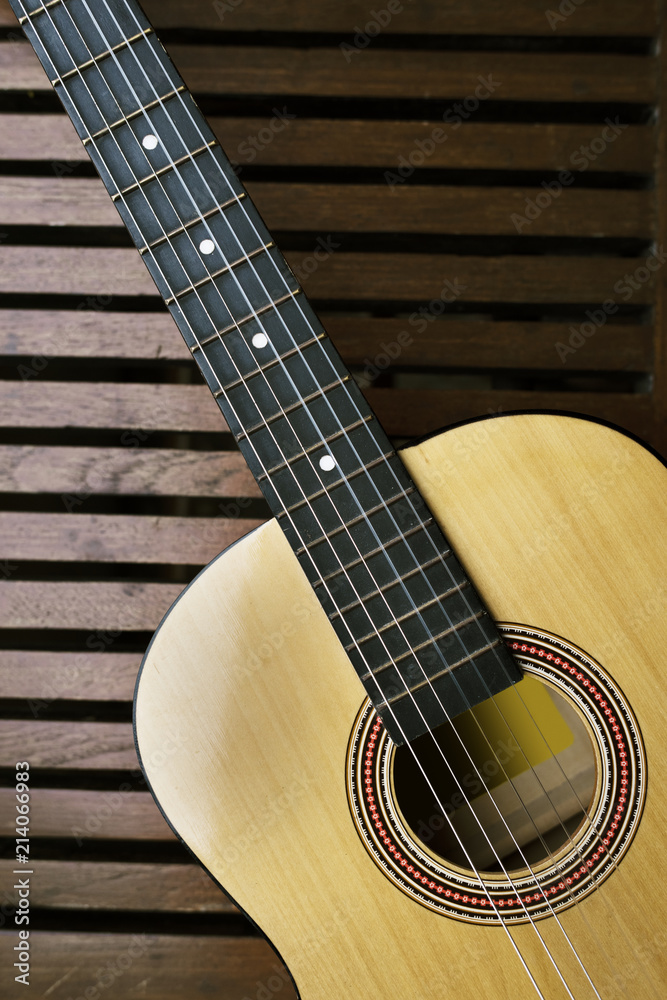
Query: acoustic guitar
(422, 774)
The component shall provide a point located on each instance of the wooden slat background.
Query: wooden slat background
(118, 477)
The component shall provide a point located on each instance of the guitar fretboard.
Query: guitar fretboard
(408, 616)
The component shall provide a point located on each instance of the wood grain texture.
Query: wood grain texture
(191, 541)
(345, 143)
(612, 498)
(288, 72)
(110, 608)
(447, 341)
(43, 676)
(153, 967)
(86, 885)
(361, 208)
(104, 746)
(79, 472)
(356, 276)
(526, 17)
(89, 815)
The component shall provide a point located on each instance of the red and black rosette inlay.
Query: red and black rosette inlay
(540, 890)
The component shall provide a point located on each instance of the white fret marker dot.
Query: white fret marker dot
(327, 463)
(260, 340)
(149, 141)
(207, 246)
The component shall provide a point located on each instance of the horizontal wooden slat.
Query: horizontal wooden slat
(350, 143)
(415, 412)
(363, 208)
(109, 607)
(154, 967)
(358, 276)
(79, 472)
(138, 405)
(114, 538)
(106, 746)
(85, 885)
(524, 17)
(46, 676)
(445, 341)
(289, 72)
(88, 815)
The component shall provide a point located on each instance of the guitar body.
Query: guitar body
(246, 704)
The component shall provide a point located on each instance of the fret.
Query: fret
(103, 55)
(269, 366)
(187, 226)
(319, 444)
(212, 278)
(164, 170)
(134, 114)
(260, 312)
(338, 482)
(443, 673)
(384, 504)
(400, 619)
(383, 547)
(359, 603)
(31, 15)
(432, 640)
(291, 409)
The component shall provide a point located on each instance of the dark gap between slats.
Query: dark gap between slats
(75, 640)
(156, 506)
(138, 922)
(138, 851)
(94, 780)
(65, 710)
(98, 572)
(637, 45)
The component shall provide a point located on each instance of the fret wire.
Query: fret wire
(103, 55)
(531, 922)
(227, 269)
(296, 406)
(432, 640)
(174, 165)
(190, 225)
(355, 520)
(338, 482)
(421, 607)
(341, 612)
(443, 673)
(133, 114)
(293, 352)
(254, 315)
(311, 447)
(385, 545)
(39, 10)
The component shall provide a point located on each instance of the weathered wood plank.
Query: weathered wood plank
(345, 143)
(79, 472)
(363, 208)
(45, 676)
(85, 885)
(191, 541)
(110, 608)
(446, 341)
(87, 815)
(154, 967)
(288, 72)
(81, 746)
(525, 17)
(141, 406)
(350, 276)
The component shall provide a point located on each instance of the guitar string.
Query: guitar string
(128, 165)
(594, 879)
(149, 123)
(482, 886)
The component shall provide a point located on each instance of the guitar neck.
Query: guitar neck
(396, 595)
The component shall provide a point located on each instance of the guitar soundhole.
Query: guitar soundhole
(530, 800)
(511, 782)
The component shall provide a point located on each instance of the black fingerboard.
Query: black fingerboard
(409, 618)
